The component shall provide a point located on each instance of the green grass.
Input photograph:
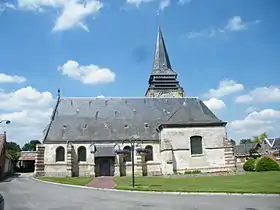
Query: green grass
(82, 181)
(258, 182)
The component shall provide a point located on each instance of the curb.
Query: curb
(159, 193)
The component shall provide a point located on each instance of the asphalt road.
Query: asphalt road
(23, 193)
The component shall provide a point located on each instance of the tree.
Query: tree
(260, 139)
(31, 145)
(245, 141)
(233, 143)
(13, 149)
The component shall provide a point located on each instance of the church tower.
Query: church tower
(163, 79)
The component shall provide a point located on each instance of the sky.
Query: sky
(225, 52)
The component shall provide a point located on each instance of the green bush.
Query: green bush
(249, 165)
(267, 164)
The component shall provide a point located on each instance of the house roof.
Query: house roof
(27, 155)
(274, 142)
(95, 119)
(243, 149)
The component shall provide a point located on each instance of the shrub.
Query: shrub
(193, 172)
(249, 165)
(267, 164)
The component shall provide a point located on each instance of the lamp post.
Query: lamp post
(7, 122)
(132, 144)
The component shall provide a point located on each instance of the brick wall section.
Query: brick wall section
(229, 155)
(69, 160)
(2, 154)
(39, 161)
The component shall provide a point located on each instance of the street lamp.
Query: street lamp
(7, 122)
(132, 146)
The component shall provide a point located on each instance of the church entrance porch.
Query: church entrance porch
(104, 166)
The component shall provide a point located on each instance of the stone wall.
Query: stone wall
(70, 166)
(176, 149)
(39, 160)
(152, 167)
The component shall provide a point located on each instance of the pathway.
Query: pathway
(105, 182)
(23, 193)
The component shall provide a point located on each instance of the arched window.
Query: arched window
(196, 145)
(60, 154)
(149, 156)
(127, 157)
(82, 153)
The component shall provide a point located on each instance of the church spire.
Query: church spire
(163, 80)
(161, 63)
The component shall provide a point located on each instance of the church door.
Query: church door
(104, 166)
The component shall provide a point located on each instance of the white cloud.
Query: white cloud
(101, 96)
(234, 24)
(261, 95)
(90, 74)
(215, 104)
(5, 78)
(162, 3)
(29, 111)
(182, 2)
(138, 2)
(40, 4)
(257, 122)
(226, 87)
(7, 5)
(72, 13)
(250, 109)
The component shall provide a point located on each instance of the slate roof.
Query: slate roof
(163, 77)
(243, 149)
(95, 119)
(161, 64)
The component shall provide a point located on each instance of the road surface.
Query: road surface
(23, 193)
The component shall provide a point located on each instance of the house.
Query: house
(267, 149)
(179, 133)
(26, 161)
(6, 161)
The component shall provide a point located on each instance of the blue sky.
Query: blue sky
(225, 51)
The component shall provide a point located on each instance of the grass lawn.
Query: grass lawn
(83, 181)
(258, 182)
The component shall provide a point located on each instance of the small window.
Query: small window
(60, 154)
(82, 154)
(196, 145)
(149, 156)
(127, 157)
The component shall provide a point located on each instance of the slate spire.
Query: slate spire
(161, 63)
(163, 80)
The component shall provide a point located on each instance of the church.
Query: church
(163, 133)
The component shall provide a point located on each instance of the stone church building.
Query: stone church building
(180, 133)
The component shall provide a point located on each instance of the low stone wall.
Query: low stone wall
(86, 170)
(57, 170)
